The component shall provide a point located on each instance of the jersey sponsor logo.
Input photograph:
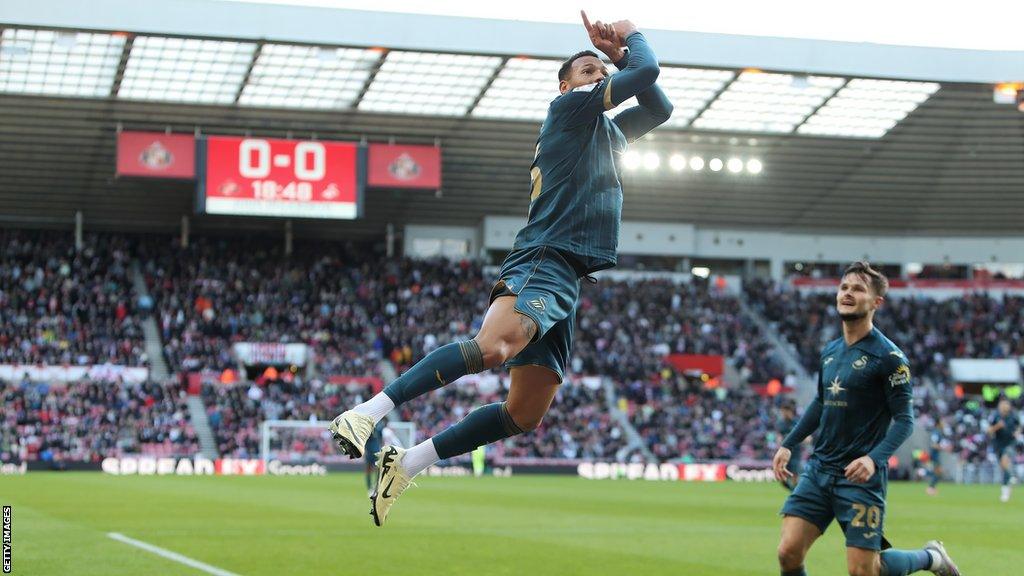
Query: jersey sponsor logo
(537, 304)
(901, 376)
(860, 362)
(586, 88)
(835, 387)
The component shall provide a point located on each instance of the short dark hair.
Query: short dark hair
(879, 283)
(563, 72)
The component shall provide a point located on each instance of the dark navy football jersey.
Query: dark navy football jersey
(862, 388)
(576, 195)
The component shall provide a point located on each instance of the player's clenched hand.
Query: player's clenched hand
(623, 28)
(779, 463)
(604, 38)
(860, 470)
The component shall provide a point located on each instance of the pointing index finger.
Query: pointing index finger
(586, 21)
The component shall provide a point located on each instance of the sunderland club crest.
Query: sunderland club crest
(404, 167)
(156, 156)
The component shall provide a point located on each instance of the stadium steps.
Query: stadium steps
(154, 344)
(201, 423)
(805, 389)
(920, 439)
(731, 374)
(636, 442)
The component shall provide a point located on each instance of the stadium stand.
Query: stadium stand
(68, 306)
(62, 306)
(88, 421)
(930, 331)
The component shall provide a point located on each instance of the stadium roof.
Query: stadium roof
(128, 66)
(839, 152)
(877, 21)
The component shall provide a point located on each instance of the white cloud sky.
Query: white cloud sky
(981, 24)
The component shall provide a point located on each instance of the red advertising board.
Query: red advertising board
(392, 166)
(713, 365)
(376, 383)
(156, 155)
(287, 178)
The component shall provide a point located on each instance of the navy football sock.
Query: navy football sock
(934, 479)
(484, 425)
(1006, 477)
(446, 364)
(798, 572)
(903, 562)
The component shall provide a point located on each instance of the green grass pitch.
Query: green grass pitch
(450, 526)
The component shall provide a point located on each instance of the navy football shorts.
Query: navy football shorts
(820, 497)
(546, 288)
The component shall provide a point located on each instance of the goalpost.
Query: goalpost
(289, 440)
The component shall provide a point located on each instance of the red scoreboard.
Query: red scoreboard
(286, 178)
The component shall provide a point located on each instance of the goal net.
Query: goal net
(309, 440)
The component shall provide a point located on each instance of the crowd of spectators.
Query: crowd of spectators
(625, 329)
(353, 307)
(215, 293)
(679, 418)
(235, 413)
(577, 426)
(402, 309)
(930, 331)
(961, 424)
(88, 421)
(67, 307)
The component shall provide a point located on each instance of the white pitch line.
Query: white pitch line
(171, 555)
